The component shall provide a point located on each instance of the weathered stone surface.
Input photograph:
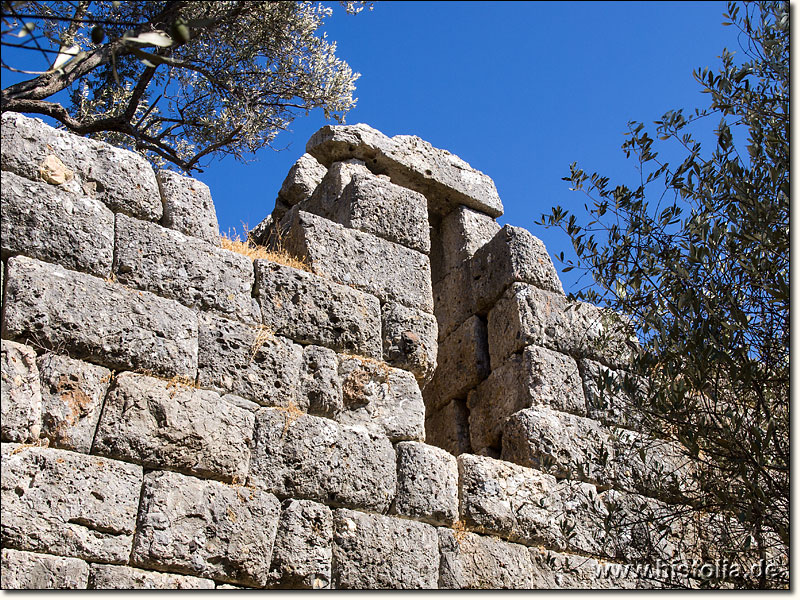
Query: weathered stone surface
(31, 571)
(205, 528)
(166, 425)
(20, 393)
(379, 552)
(122, 180)
(188, 206)
(427, 484)
(448, 427)
(314, 458)
(452, 301)
(463, 231)
(301, 558)
(303, 178)
(409, 340)
(608, 406)
(99, 321)
(192, 271)
(320, 387)
(115, 577)
(313, 310)
(72, 397)
(471, 561)
(61, 502)
(389, 271)
(558, 571)
(444, 179)
(248, 361)
(53, 224)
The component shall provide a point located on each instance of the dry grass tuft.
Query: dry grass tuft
(233, 241)
(459, 530)
(293, 413)
(263, 334)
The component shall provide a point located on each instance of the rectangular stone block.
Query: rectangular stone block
(463, 231)
(116, 577)
(427, 484)
(61, 502)
(320, 387)
(452, 301)
(477, 562)
(50, 223)
(314, 458)
(205, 528)
(312, 310)
(20, 393)
(166, 425)
(301, 558)
(194, 272)
(188, 206)
(99, 321)
(409, 340)
(32, 571)
(448, 427)
(378, 552)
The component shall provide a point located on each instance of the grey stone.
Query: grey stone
(471, 561)
(314, 458)
(52, 224)
(72, 397)
(379, 552)
(205, 528)
(320, 387)
(168, 425)
(31, 571)
(301, 558)
(452, 301)
(448, 427)
(116, 577)
(61, 502)
(427, 484)
(188, 206)
(463, 232)
(122, 180)
(443, 178)
(20, 393)
(613, 405)
(248, 361)
(559, 571)
(313, 310)
(194, 272)
(304, 176)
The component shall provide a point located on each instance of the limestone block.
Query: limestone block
(32, 571)
(20, 393)
(304, 176)
(409, 340)
(121, 179)
(194, 272)
(320, 387)
(448, 427)
(389, 271)
(166, 425)
(427, 484)
(50, 223)
(315, 458)
(248, 361)
(378, 552)
(463, 232)
(61, 502)
(471, 561)
(205, 528)
(443, 178)
(559, 571)
(72, 397)
(313, 310)
(613, 406)
(99, 321)
(452, 304)
(324, 198)
(188, 206)
(301, 558)
(116, 577)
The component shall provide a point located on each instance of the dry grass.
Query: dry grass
(263, 334)
(233, 241)
(459, 530)
(293, 413)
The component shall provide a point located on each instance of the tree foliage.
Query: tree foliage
(697, 254)
(181, 81)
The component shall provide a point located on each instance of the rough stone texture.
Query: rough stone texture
(188, 206)
(248, 361)
(379, 552)
(471, 561)
(31, 571)
(122, 180)
(192, 271)
(314, 458)
(205, 528)
(463, 231)
(301, 557)
(304, 176)
(72, 397)
(20, 393)
(389, 271)
(409, 340)
(313, 310)
(161, 424)
(427, 484)
(444, 179)
(611, 407)
(558, 571)
(319, 386)
(534, 377)
(448, 427)
(452, 301)
(67, 503)
(115, 577)
(50, 223)
(99, 321)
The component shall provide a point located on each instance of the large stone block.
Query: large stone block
(20, 393)
(61, 502)
(32, 571)
(471, 561)
(559, 571)
(205, 528)
(301, 558)
(378, 552)
(116, 577)
(320, 387)
(315, 458)
(53, 224)
(188, 206)
(99, 321)
(303, 178)
(409, 340)
(427, 484)
(463, 231)
(165, 425)
(452, 301)
(194, 272)
(612, 404)
(313, 310)
(448, 427)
